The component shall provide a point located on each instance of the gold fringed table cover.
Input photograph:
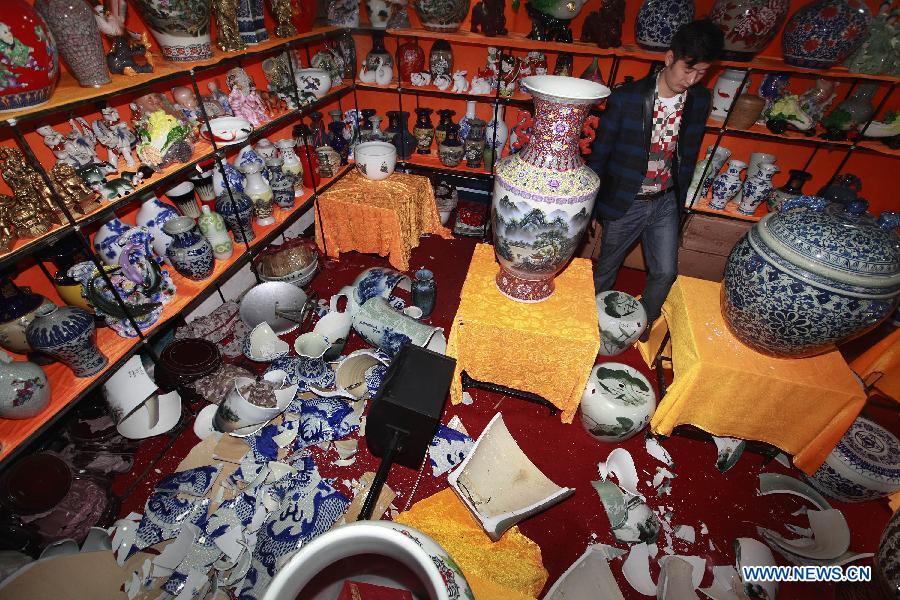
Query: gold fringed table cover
(509, 569)
(547, 348)
(800, 405)
(377, 217)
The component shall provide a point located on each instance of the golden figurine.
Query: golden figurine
(27, 185)
(282, 11)
(8, 235)
(227, 34)
(75, 194)
(26, 215)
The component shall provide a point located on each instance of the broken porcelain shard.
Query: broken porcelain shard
(675, 580)
(655, 449)
(588, 577)
(776, 483)
(621, 464)
(830, 536)
(499, 484)
(728, 451)
(753, 553)
(636, 570)
(263, 345)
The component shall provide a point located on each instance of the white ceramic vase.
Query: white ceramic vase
(292, 164)
(756, 188)
(617, 402)
(622, 321)
(153, 214)
(756, 160)
(105, 240)
(725, 90)
(259, 191)
(380, 325)
(497, 132)
(727, 184)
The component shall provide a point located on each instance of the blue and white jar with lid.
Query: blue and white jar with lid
(67, 334)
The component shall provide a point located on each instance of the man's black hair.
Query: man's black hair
(698, 41)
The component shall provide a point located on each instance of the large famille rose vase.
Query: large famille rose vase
(28, 59)
(810, 276)
(544, 195)
(748, 25)
(824, 33)
(180, 26)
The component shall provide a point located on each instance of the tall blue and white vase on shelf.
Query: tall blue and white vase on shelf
(24, 389)
(190, 252)
(237, 210)
(251, 23)
(825, 32)
(153, 214)
(727, 184)
(757, 188)
(810, 276)
(106, 238)
(181, 27)
(658, 20)
(67, 334)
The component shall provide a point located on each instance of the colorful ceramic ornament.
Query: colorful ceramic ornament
(658, 20)
(30, 64)
(24, 389)
(441, 15)
(181, 27)
(748, 25)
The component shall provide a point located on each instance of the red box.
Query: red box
(357, 590)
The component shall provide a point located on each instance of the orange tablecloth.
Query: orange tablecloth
(802, 405)
(379, 217)
(547, 348)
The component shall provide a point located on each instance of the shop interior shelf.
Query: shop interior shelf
(69, 93)
(434, 92)
(730, 211)
(67, 389)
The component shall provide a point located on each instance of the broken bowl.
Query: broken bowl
(263, 345)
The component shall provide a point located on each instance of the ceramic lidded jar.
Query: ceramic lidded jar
(622, 320)
(658, 20)
(237, 210)
(543, 196)
(825, 32)
(189, 252)
(28, 52)
(18, 307)
(77, 39)
(213, 228)
(617, 402)
(441, 15)
(24, 389)
(748, 25)
(811, 276)
(182, 29)
(67, 334)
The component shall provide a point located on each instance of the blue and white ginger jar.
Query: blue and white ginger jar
(658, 20)
(811, 276)
(190, 252)
(824, 33)
(67, 334)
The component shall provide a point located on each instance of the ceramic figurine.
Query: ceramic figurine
(259, 191)
(825, 32)
(243, 99)
(441, 15)
(212, 226)
(786, 113)
(877, 53)
(164, 140)
(757, 188)
(186, 102)
(809, 276)
(521, 131)
(604, 27)
(509, 76)
(617, 403)
(116, 136)
(378, 12)
(460, 83)
(126, 45)
(424, 130)
(77, 148)
(550, 18)
(182, 29)
(228, 36)
(658, 20)
(34, 210)
(24, 389)
(29, 57)
(8, 234)
(191, 254)
(853, 112)
(251, 24)
(220, 97)
(490, 17)
(343, 13)
(281, 10)
(527, 267)
(817, 99)
(748, 25)
(727, 184)
(772, 88)
(67, 334)
(77, 39)
(331, 60)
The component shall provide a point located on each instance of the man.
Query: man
(645, 152)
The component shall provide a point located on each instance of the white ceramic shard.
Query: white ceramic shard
(621, 464)
(641, 523)
(830, 536)
(588, 577)
(661, 475)
(498, 483)
(698, 566)
(265, 345)
(613, 502)
(636, 570)
(726, 584)
(655, 449)
(729, 450)
(753, 553)
(675, 580)
(776, 483)
(686, 533)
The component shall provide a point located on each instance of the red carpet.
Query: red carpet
(727, 504)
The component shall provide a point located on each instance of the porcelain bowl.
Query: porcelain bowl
(864, 465)
(227, 130)
(617, 402)
(314, 81)
(375, 160)
(263, 302)
(262, 345)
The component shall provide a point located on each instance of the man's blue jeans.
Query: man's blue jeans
(656, 222)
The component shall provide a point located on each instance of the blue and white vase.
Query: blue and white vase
(24, 389)
(824, 33)
(227, 174)
(153, 215)
(105, 240)
(811, 276)
(727, 184)
(658, 20)
(237, 210)
(251, 24)
(247, 156)
(281, 182)
(190, 253)
(67, 334)
(757, 189)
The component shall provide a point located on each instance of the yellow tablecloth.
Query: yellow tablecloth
(802, 405)
(547, 348)
(379, 217)
(509, 569)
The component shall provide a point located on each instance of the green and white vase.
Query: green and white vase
(617, 402)
(213, 228)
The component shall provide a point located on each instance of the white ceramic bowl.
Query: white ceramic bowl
(314, 81)
(617, 402)
(227, 130)
(375, 160)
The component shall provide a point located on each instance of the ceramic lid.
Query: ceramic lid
(871, 450)
(191, 356)
(843, 244)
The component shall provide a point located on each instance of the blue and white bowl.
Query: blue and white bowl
(865, 464)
